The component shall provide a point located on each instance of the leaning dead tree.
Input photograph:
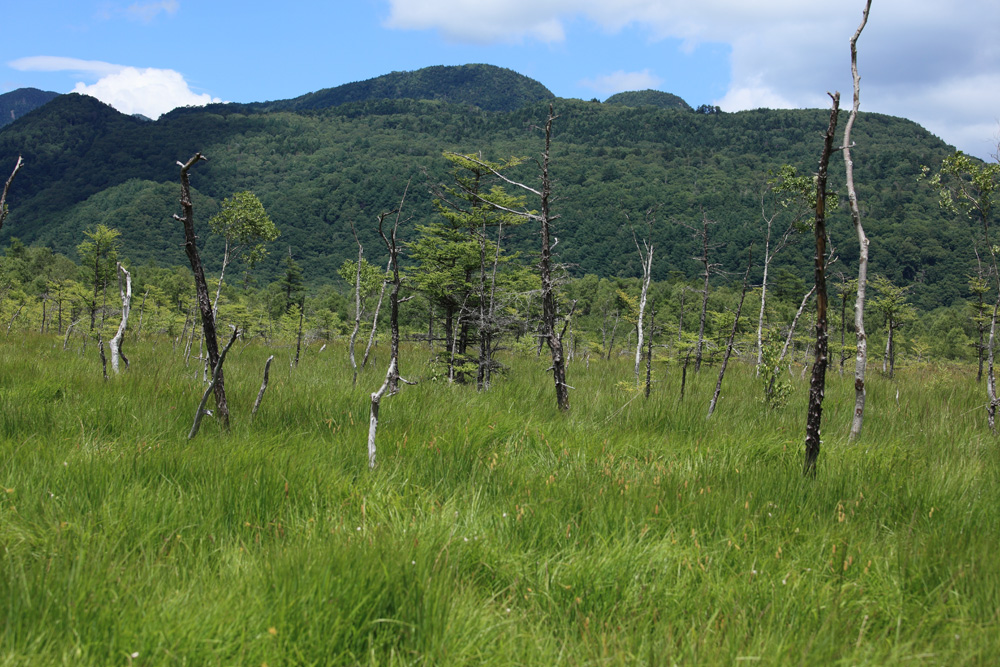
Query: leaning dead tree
(817, 382)
(263, 386)
(6, 188)
(116, 342)
(732, 336)
(201, 290)
(861, 363)
(216, 377)
(392, 377)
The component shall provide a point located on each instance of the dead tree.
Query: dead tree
(378, 308)
(646, 261)
(709, 268)
(201, 289)
(357, 306)
(263, 386)
(732, 337)
(216, 377)
(649, 346)
(817, 382)
(6, 188)
(861, 363)
(116, 342)
(392, 377)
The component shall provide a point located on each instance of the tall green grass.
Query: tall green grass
(495, 529)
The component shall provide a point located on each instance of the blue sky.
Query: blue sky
(936, 63)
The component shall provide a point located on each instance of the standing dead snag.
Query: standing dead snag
(817, 381)
(116, 342)
(6, 188)
(861, 363)
(201, 288)
(357, 307)
(646, 261)
(392, 378)
(732, 336)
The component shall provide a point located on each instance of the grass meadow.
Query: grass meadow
(495, 530)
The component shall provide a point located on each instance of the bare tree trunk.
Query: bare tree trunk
(11, 323)
(732, 338)
(116, 341)
(392, 377)
(104, 359)
(378, 307)
(614, 330)
(298, 344)
(548, 287)
(861, 362)
(142, 309)
(216, 377)
(6, 188)
(357, 307)
(704, 300)
(991, 383)
(201, 289)
(68, 330)
(788, 338)
(649, 347)
(817, 382)
(263, 386)
(646, 260)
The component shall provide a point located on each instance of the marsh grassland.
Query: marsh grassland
(495, 529)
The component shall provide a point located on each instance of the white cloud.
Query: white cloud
(621, 80)
(147, 91)
(147, 11)
(59, 64)
(151, 92)
(917, 57)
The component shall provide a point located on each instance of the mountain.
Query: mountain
(655, 98)
(488, 87)
(316, 170)
(18, 102)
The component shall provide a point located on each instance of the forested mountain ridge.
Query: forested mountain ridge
(316, 170)
(18, 102)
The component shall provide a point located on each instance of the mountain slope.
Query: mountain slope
(656, 98)
(318, 171)
(18, 102)
(488, 87)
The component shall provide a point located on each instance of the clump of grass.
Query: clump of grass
(495, 529)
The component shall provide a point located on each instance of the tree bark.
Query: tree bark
(817, 382)
(861, 362)
(116, 342)
(201, 289)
